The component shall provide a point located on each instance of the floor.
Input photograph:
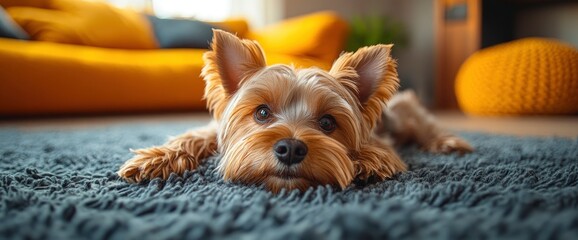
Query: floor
(565, 126)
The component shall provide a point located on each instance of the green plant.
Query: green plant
(375, 29)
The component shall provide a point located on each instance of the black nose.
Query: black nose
(290, 151)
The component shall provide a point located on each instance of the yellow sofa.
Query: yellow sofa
(47, 77)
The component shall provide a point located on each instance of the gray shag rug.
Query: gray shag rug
(62, 185)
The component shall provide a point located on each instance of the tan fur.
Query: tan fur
(183, 152)
(407, 121)
(354, 93)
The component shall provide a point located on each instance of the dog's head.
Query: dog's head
(294, 128)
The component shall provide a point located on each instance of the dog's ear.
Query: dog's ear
(236, 59)
(372, 69)
(371, 73)
(231, 61)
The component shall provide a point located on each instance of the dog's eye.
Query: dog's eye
(327, 123)
(262, 114)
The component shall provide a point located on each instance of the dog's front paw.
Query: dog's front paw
(376, 162)
(449, 144)
(156, 162)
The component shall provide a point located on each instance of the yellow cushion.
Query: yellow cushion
(319, 35)
(85, 23)
(527, 76)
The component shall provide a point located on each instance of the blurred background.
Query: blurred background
(429, 34)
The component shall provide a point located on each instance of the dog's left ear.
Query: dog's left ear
(371, 69)
(371, 74)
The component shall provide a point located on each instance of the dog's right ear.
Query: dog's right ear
(227, 66)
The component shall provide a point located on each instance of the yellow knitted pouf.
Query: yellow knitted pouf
(522, 77)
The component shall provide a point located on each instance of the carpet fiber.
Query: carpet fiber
(62, 185)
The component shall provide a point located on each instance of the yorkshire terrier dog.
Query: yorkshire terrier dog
(284, 127)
